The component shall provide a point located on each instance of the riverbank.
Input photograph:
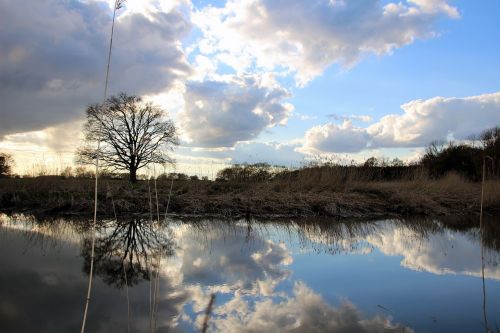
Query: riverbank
(449, 196)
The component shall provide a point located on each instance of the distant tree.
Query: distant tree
(396, 162)
(371, 162)
(490, 137)
(245, 172)
(459, 158)
(67, 172)
(490, 140)
(82, 172)
(132, 134)
(6, 162)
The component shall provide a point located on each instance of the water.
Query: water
(385, 276)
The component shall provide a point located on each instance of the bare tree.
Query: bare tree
(132, 134)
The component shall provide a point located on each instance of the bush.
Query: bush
(462, 159)
(246, 172)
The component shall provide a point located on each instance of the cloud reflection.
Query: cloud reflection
(248, 265)
(445, 252)
(303, 311)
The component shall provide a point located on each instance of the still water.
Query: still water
(385, 276)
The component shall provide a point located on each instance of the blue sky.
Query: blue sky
(462, 61)
(255, 80)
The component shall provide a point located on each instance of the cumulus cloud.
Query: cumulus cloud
(449, 252)
(232, 266)
(344, 138)
(53, 56)
(422, 122)
(303, 311)
(219, 113)
(305, 38)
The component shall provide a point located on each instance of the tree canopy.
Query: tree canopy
(130, 134)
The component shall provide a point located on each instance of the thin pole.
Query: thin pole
(481, 230)
(128, 301)
(110, 48)
(91, 273)
(208, 310)
(118, 4)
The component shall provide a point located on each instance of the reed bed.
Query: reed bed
(295, 193)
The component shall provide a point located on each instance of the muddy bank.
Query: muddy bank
(53, 196)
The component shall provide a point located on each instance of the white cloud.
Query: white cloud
(305, 38)
(221, 113)
(448, 252)
(344, 138)
(226, 269)
(436, 119)
(304, 311)
(422, 122)
(248, 152)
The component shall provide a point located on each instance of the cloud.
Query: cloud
(53, 55)
(247, 152)
(422, 122)
(47, 285)
(437, 118)
(233, 265)
(362, 118)
(305, 38)
(344, 138)
(60, 138)
(303, 311)
(221, 113)
(449, 252)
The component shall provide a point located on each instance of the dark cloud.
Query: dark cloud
(53, 55)
(43, 289)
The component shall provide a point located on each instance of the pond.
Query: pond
(291, 276)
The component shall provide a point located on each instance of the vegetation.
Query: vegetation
(444, 183)
(308, 192)
(130, 135)
(6, 163)
(465, 159)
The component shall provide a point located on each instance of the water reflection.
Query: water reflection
(124, 251)
(302, 311)
(302, 276)
(442, 251)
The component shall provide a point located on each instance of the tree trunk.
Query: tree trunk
(133, 175)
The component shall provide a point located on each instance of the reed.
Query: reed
(118, 4)
(208, 311)
(481, 230)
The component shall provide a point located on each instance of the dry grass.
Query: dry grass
(318, 192)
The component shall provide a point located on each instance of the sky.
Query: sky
(277, 81)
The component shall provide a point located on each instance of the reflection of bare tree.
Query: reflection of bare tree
(124, 253)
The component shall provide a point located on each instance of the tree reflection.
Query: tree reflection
(128, 252)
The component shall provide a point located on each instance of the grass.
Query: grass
(300, 193)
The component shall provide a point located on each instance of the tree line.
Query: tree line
(440, 158)
(126, 134)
